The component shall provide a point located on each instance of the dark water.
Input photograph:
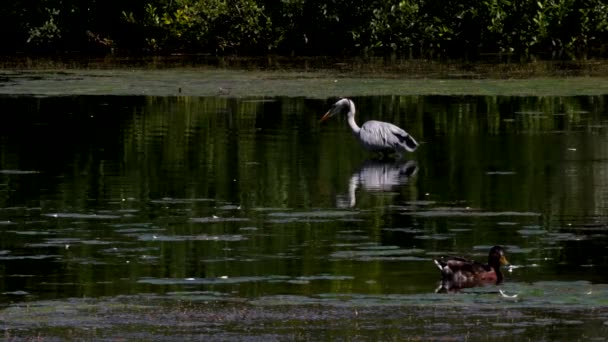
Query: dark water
(253, 199)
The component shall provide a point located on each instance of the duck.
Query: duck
(458, 273)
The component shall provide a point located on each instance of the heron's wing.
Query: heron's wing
(405, 140)
(384, 135)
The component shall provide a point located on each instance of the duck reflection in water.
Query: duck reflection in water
(379, 175)
(458, 273)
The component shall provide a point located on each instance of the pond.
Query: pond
(189, 217)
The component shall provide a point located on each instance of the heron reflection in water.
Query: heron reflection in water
(374, 136)
(378, 175)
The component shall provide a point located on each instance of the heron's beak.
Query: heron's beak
(326, 116)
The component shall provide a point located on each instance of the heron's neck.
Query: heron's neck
(351, 118)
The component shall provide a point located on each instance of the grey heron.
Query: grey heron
(375, 136)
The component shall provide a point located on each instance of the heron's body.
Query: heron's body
(375, 136)
(378, 136)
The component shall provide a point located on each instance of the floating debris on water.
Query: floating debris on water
(502, 293)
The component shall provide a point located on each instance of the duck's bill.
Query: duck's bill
(326, 116)
(503, 260)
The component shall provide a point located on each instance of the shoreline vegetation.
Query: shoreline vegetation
(491, 68)
(272, 47)
(412, 29)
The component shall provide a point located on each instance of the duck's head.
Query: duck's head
(497, 257)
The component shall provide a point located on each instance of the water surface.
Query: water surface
(252, 201)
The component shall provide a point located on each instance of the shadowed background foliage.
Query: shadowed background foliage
(405, 28)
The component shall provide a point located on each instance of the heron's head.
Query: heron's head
(343, 106)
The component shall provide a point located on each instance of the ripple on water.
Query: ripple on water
(556, 237)
(208, 281)
(128, 250)
(566, 294)
(312, 216)
(303, 280)
(265, 209)
(18, 172)
(219, 259)
(229, 207)
(28, 257)
(467, 212)
(16, 293)
(351, 237)
(376, 253)
(315, 213)
(55, 242)
(244, 279)
(506, 223)
(201, 237)
(217, 219)
(460, 230)
(500, 173)
(30, 232)
(83, 216)
(435, 237)
(131, 231)
(169, 200)
(533, 113)
(531, 230)
(420, 203)
(88, 261)
(131, 225)
(202, 295)
(405, 230)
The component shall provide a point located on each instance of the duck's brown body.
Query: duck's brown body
(458, 273)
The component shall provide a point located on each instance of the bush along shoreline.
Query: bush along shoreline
(434, 29)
